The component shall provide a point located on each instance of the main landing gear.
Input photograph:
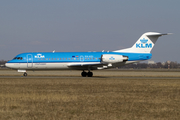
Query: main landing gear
(88, 74)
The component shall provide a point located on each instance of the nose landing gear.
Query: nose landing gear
(25, 74)
(88, 74)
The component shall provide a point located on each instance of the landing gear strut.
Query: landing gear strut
(25, 74)
(88, 74)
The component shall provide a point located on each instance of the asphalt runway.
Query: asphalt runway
(120, 74)
(95, 77)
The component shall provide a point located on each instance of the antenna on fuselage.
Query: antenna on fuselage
(54, 51)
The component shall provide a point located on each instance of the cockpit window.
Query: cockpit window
(18, 58)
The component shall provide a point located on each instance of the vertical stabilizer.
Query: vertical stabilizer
(144, 44)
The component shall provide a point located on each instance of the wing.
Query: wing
(86, 65)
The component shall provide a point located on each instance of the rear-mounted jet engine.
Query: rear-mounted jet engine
(111, 58)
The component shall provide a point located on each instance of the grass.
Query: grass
(104, 98)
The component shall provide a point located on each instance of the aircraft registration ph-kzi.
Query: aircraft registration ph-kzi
(86, 61)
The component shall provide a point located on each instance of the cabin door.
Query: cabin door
(29, 61)
(82, 58)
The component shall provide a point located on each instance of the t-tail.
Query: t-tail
(144, 44)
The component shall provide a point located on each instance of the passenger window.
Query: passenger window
(54, 58)
(49, 58)
(46, 58)
(38, 58)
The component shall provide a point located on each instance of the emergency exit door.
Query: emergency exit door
(29, 61)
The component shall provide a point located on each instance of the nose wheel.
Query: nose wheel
(25, 74)
(88, 74)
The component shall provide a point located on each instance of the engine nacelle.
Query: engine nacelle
(111, 58)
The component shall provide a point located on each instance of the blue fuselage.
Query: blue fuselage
(69, 57)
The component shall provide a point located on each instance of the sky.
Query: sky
(87, 25)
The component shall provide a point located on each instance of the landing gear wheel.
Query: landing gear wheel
(25, 74)
(89, 74)
(83, 74)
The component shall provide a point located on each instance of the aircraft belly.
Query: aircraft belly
(16, 65)
(38, 66)
(50, 66)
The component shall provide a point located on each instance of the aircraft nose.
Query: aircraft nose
(8, 65)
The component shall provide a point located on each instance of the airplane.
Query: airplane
(86, 61)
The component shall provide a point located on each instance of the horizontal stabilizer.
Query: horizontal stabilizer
(157, 34)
